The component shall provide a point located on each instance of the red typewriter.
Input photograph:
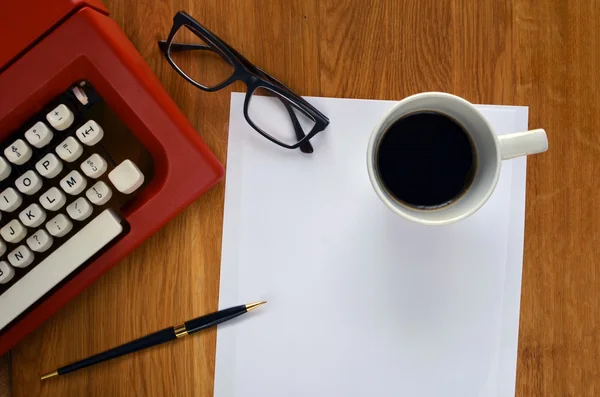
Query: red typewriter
(94, 156)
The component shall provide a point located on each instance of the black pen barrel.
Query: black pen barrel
(156, 338)
(210, 320)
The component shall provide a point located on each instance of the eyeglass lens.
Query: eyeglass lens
(198, 60)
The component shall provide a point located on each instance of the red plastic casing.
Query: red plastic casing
(76, 40)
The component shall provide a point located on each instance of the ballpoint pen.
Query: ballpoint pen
(156, 338)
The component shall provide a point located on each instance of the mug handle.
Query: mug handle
(523, 143)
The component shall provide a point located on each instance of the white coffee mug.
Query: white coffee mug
(490, 150)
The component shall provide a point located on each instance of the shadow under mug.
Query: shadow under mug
(490, 150)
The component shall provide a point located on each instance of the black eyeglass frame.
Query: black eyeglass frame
(250, 74)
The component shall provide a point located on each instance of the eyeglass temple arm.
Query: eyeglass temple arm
(306, 147)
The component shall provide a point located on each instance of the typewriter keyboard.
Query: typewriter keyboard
(65, 178)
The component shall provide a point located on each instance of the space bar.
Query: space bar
(58, 265)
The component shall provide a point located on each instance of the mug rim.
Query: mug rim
(393, 115)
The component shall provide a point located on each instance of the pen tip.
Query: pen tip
(49, 375)
(252, 306)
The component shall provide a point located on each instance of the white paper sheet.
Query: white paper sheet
(362, 302)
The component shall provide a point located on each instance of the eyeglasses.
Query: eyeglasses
(271, 108)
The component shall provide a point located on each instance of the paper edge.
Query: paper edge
(513, 278)
(223, 384)
(499, 107)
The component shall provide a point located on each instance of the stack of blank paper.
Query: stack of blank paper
(360, 301)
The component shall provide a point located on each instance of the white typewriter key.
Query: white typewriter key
(126, 177)
(53, 199)
(29, 183)
(94, 166)
(59, 225)
(10, 200)
(19, 152)
(40, 241)
(99, 194)
(73, 183)
(79, 209)
(32, 216)
(7, 272)
(90, 133)
(49, 166)
(4, 169)
(13, 232)
(20, 256)
(2, 247)
(39, 135)
(61, 117)
(69, 149)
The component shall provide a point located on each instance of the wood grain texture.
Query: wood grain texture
(5, 375)
(502, 52)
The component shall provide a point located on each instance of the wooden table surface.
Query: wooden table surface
(514, 52)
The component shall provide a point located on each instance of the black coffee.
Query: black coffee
(426, 160)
